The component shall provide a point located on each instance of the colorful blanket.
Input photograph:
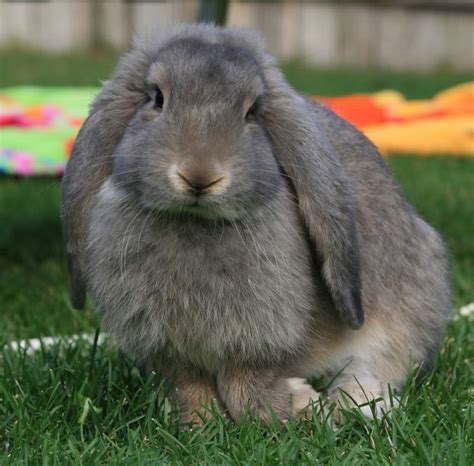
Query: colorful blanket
(38, 124)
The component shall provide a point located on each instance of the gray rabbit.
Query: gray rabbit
(239, 238)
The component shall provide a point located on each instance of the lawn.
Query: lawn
(86, 404)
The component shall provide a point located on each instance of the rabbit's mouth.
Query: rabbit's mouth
(202, 210)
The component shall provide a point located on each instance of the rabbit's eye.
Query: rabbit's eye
(252, 111)
(159, 99)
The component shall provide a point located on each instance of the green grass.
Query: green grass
(20, 67)
(87, 405)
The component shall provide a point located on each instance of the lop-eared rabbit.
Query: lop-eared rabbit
(239, 238)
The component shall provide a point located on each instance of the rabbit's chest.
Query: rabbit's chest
(218, 297)
(204, 293)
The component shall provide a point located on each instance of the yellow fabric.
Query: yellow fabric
(442, 125)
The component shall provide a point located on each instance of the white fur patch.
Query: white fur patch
(303, 394)
(108, 191)
(372, 397)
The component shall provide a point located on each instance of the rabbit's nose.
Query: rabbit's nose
(198, 181)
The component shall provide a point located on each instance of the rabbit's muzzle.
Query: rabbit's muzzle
(198, 181)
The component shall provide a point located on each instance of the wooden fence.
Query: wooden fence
(399, 34)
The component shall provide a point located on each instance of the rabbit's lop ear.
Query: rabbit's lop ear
(324, 194)
(91, 160)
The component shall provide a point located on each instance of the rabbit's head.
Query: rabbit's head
(201, 121)
(196, 144)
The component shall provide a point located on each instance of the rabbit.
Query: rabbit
(240, 239)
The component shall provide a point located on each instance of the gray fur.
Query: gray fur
(298, 235)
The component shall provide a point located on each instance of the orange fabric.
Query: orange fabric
(360, 110)
(442, 125)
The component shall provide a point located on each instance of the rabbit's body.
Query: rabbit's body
(206, 291)
(239, 238)
(404, 265)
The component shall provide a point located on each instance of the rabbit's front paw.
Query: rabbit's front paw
(265, 395)
(374, 399)
(303, 397)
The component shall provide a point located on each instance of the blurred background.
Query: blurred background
(398, 34)
(398, 69)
